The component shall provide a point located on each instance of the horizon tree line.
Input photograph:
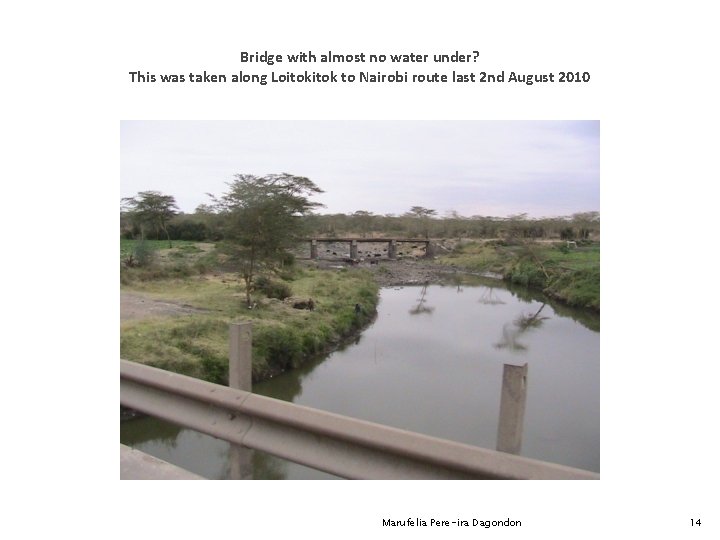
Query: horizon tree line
(153, 215)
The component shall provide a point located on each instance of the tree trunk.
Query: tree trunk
(248, 275)
(166, 234)
(248, 282)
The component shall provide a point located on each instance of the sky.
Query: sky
(542, 168)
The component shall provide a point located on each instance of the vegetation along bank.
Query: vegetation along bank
(288, 329)
(190, 275)
(566, 271)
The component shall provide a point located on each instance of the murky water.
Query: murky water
(432, 362)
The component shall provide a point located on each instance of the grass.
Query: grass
(581, 258)
(283, 337)
(569, 275)
(127, 246)
(185, 258)
(481, 257)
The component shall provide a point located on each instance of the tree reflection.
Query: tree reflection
(490, 298)
(421, 307)
(512, 332)
(147, 428)
(457, 280)
(267, 467)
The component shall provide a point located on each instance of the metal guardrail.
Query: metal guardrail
(340, 445)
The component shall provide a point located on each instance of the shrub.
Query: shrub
(526, 273)
(188, 230)
(287, 259)
(280, 347)
(579, 288)
(272, 289)
(142, 254)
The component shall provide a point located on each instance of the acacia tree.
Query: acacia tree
(423, 216)
(263, 219)
(363, 219)
(586, 222)
(153, 208)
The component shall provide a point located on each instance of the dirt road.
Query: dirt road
(137, 306)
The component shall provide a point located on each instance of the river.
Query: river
(432, 362)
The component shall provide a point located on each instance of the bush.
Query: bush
(287, 259)
(141, 256)
(188, 230)
(279, 347)
(272, 289)
(526, 273)
(580, 288)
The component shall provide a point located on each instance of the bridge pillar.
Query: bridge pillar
(392, 249)
(313, 249)
(240, 377)
(512, 408)
(353, 249)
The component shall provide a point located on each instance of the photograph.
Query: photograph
(360, 299)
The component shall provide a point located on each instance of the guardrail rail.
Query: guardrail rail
(343, 446)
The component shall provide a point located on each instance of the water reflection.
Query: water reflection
(588, 318)
(439, 375)
(458, 281)
(490, 298)
(512, 331)
(421, 307)
(161, 433)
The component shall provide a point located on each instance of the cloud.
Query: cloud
(489, 168)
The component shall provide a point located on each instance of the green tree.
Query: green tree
(422, 216)
(586, 223)
(151, 208)
(364, 220)
(263, 219)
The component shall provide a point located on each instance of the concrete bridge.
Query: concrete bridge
(392, 249)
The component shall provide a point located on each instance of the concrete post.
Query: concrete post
(353, 249)
(392, 249)
(313, 249)
(512, 408)
(240, 377)
(240, 369)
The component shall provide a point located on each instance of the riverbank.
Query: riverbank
(570, 274)
(185, 326)
(180, 322)
(566, 272)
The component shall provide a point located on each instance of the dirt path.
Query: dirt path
(137, 306)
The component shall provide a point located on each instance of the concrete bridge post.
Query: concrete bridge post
(240, 377)
(512, 408)
(313, 249)
(392, 249)
(353, 249)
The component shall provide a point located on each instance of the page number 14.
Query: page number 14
(695, 522)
